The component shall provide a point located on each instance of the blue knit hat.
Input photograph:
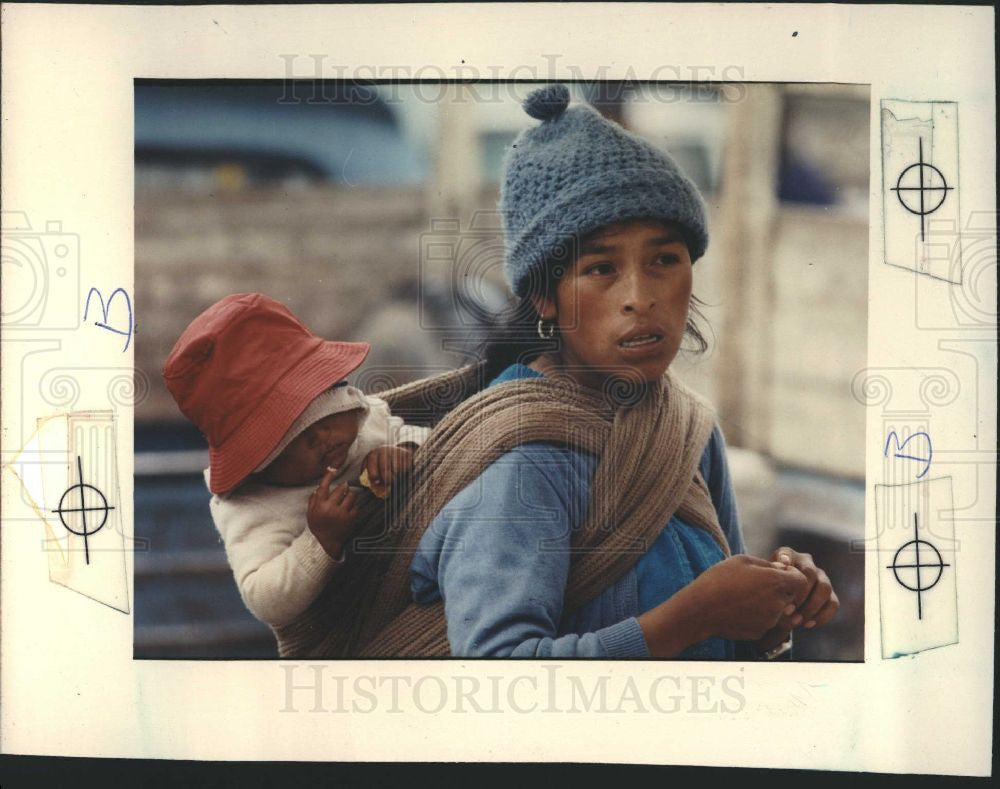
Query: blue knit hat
(577, 172)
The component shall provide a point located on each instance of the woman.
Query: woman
(580, 504)
(616, 306)
(621, 306)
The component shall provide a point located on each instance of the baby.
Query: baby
(286, 433)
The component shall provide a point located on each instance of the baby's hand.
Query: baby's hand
(381, 467)
(332, 514)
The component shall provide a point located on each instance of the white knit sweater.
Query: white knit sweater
(279, 566)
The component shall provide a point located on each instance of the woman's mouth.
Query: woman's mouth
(641, 341)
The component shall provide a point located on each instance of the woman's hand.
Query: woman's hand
(382, 465)
(741, 598)
(772, 638)
(745, 597)
(821, 603)
(332, 514)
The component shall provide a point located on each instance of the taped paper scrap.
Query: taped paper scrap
(918, 598)
(920, 188)
(68, 471)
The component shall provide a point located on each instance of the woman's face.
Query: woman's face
(323, 443)
(622, 307)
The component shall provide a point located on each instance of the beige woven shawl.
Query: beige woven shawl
(649, 438)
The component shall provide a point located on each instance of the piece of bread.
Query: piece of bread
(364, 480)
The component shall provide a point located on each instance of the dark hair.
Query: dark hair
(514, 338)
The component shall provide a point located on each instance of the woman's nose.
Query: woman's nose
(636, 296)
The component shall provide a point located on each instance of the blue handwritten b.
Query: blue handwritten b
(900, 446)
(105, 306)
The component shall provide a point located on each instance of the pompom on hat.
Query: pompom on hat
(576, 172)
(243, 372)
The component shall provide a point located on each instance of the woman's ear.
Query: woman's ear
(546, 308)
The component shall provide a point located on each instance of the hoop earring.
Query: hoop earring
(542, 325)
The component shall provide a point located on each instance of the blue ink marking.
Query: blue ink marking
(899, 449)
(103, 323)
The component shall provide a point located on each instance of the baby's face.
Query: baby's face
(323, 443)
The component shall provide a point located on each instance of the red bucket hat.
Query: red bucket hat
(243, 371)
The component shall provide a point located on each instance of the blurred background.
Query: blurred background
(370, 210)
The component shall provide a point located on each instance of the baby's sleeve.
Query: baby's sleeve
(395, 429)
(411, 434)
(279, 567)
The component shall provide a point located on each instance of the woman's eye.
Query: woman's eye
(599, 268)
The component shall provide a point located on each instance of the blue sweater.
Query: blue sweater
(498, 554)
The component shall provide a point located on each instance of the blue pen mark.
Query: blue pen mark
(105, 306)
(900, 454)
